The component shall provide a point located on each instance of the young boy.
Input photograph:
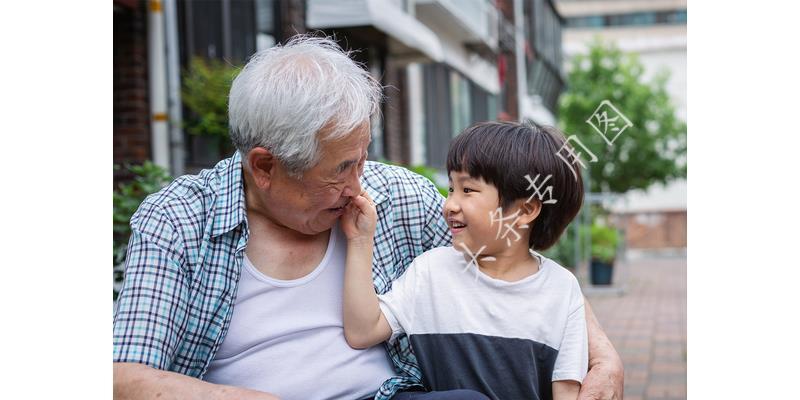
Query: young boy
(487, 314)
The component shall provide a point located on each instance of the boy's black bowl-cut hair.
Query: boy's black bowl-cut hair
(502, 153)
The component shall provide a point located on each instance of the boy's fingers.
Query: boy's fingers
(359, 202)
(366, 196)
(363, 199)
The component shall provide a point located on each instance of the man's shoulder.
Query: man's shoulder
(395, 181)
(187, 200)
(387, 173)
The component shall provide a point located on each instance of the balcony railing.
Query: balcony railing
(474, 20)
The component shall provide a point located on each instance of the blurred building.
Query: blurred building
(445, 65)
(656, 31)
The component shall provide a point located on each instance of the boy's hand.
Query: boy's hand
(359, 218)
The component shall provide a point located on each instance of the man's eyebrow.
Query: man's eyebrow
(345, 165)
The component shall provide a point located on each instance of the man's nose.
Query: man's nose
(353, 186)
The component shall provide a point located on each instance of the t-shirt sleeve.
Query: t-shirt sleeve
(572, 362)
(398, 303)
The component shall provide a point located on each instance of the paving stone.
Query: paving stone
(647, 325)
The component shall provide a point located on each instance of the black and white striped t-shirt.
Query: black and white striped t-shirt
(508, 340)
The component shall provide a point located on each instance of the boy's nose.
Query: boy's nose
(451, 207)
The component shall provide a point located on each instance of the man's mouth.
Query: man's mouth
(337, 209)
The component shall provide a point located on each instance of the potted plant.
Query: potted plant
(604, 251)
(205, 88)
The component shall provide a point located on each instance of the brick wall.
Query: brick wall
(131, 107)
(654, 230)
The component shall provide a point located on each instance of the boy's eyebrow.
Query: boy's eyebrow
(463, 178)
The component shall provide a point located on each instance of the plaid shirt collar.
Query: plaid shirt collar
(231, 208)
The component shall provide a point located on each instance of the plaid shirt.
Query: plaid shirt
(185, 256)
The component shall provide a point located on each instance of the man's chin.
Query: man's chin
(322, 223)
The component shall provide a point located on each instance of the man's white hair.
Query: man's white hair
(286, 95)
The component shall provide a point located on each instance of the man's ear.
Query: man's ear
(529, 211)
(262, 166)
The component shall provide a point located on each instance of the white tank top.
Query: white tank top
(286, 336)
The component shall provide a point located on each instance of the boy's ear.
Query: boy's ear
(529, 211)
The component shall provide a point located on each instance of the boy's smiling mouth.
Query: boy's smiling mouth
(456, 226)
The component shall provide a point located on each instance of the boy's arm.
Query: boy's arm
(364, 323)
(566, 390)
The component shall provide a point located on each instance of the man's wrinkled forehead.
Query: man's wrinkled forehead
(342, 153)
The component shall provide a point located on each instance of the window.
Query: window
(452, 104)
(543, 36)
(438, 124)
(267, 14)
(223, 29)
(629, 19)
(461, 112)
(219, 29)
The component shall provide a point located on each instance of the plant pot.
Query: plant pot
(601, 272)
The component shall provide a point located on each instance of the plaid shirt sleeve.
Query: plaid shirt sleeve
(436, 232)
(152, 307)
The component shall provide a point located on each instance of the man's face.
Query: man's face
(313, 203)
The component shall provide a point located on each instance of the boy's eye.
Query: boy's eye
(467, 190)
(450, 189)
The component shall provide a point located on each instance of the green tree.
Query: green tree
(206, 85)
(653, 149)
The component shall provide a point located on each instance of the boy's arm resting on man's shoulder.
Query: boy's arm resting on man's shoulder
(605, 378)
(364, 322)
(138, 381)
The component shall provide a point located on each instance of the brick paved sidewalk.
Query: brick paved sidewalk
(647, 325)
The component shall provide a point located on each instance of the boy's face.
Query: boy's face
(468, 211)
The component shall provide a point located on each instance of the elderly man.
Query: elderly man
(233, 285)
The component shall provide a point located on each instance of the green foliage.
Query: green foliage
(206, 85)
(563, 252)
(148, 178)
(604, 242)
(653, 149)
